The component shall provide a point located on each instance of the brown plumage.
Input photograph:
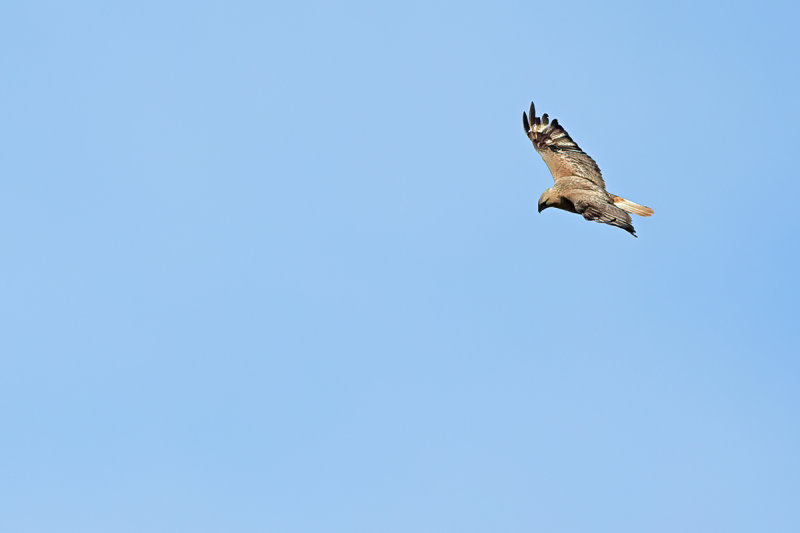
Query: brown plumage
(579, 186)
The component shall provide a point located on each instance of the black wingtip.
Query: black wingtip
(525, 123)
(532, 112)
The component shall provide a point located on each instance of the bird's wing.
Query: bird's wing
(596, 206)
(561, 154)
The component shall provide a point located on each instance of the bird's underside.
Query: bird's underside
(579, 186)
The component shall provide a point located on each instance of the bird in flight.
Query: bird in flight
(579, 186)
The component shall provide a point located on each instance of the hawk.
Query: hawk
(579, 186)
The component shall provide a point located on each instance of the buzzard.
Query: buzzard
(579, 186)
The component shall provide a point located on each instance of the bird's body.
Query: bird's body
(579, 186)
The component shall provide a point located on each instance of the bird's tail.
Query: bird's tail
(631, 207)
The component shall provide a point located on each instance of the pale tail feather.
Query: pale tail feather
(632, 207)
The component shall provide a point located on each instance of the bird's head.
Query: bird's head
(546, 200)
(543, 205)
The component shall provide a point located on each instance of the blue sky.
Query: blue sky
(279, 268)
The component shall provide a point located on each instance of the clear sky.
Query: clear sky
(277, 267)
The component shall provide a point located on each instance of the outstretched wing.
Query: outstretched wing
(561, 154)
(595, 206)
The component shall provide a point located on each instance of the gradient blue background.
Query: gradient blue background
(279, 268)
